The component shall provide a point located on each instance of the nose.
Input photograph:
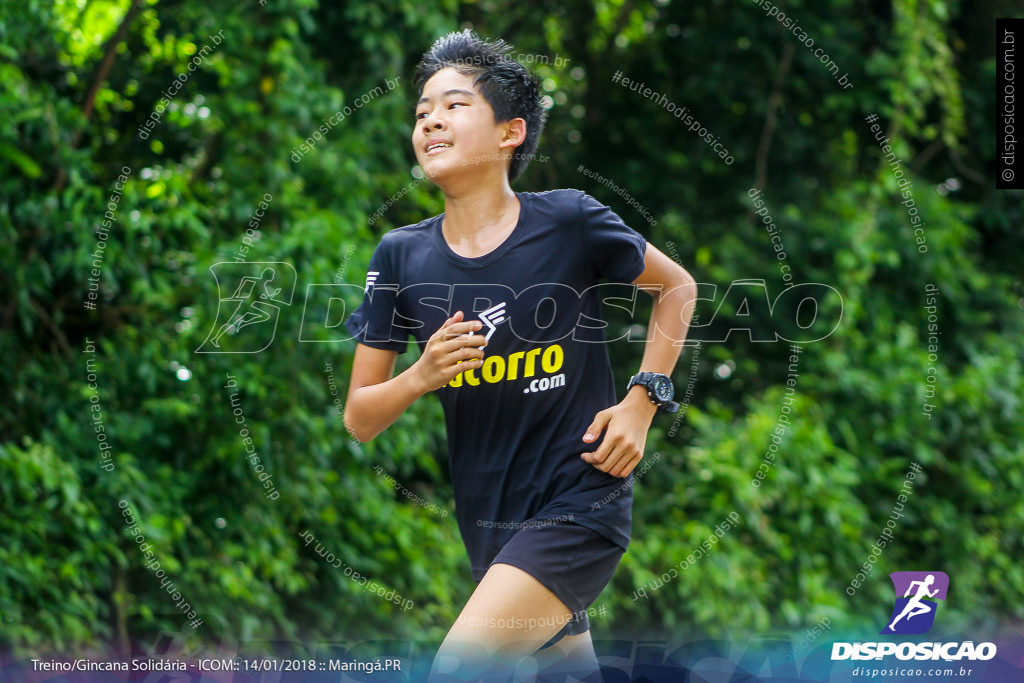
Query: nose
(431, 122)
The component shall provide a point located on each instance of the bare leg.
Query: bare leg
(920, 609)
(906, 608)
(508, 617)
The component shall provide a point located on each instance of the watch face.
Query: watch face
(663, 388)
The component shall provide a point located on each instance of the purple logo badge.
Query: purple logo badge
(916, 596)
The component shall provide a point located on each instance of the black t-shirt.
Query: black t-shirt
(515, 425)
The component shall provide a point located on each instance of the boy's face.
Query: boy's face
(455, 132)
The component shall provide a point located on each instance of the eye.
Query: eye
(457, 104)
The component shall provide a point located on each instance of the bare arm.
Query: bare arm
(626, 424)
(675, 294)
(376, 399)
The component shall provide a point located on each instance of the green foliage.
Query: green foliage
(71, 575)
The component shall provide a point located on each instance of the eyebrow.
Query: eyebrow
(446, 93)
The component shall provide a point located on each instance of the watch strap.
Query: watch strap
(643, 379)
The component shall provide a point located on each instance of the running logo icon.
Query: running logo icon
(916, 596)
(247, 318)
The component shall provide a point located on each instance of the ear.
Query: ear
(514, 133)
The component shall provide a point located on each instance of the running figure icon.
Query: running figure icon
(257, 311)
(915, 606)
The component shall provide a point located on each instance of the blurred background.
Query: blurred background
(102, 339)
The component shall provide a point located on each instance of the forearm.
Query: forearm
(671, 313)
(371, 409)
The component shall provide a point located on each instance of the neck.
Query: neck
(477, 207)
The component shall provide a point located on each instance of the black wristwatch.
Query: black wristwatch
(659, 389)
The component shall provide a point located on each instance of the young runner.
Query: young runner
(502, 293)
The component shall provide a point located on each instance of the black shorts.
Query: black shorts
(572, 561)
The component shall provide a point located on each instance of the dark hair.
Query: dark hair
(511, 89)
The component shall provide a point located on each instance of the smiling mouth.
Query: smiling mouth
(437, 148)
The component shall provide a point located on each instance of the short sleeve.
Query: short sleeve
(372, 323)
(614, 250)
